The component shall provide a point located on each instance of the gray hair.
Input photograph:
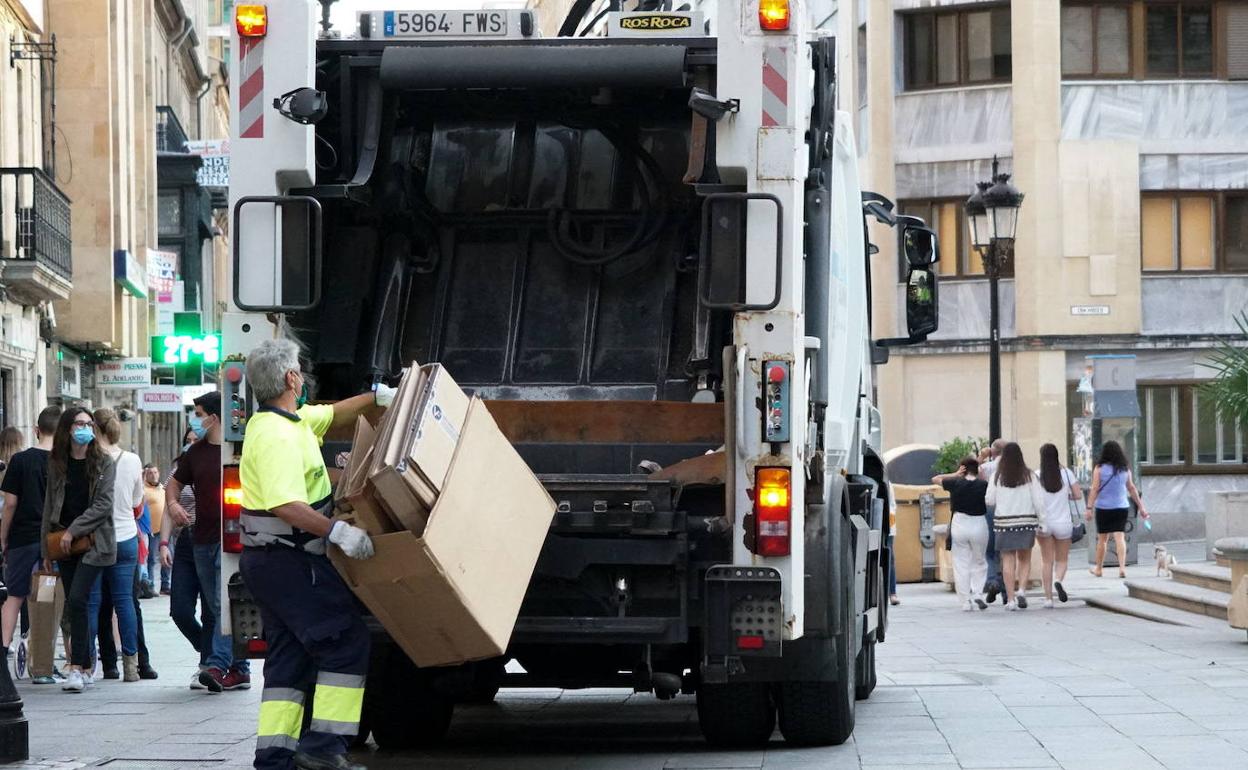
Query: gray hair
(998, 446)
(267, 365)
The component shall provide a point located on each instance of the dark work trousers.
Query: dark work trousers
(108, 643)
(77, 578)
(184, 593)
(316, 641)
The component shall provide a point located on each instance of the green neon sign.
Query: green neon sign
(183, 349)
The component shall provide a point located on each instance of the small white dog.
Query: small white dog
(1164, 560)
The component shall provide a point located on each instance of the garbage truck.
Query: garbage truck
(644, 243)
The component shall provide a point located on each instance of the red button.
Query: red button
(234, 374)
(776, 374)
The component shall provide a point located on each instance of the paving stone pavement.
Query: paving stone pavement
(1073, 687)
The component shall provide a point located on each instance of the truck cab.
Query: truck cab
(648, 252)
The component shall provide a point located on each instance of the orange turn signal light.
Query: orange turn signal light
(251, 20)
(773, 15)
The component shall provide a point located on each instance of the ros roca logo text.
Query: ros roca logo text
(652, 22)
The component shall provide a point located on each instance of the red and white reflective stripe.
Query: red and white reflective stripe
(251, 90)
(776, 87)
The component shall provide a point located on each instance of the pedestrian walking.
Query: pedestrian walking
(1019, 502)
(118, 580)
(78, 505)
(177, 553)
(200, 467)
(968, 531)
(312, 625)
(1061, 490)
(24, 484)
(154, 497)
(1112, 485)
(987, 469)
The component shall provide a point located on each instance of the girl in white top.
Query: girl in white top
(1059, 489)
(119, 578)
(1020, 502)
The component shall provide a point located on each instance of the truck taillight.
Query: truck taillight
(253, 20)
(772, 511)
(231, 511)
(773, 15)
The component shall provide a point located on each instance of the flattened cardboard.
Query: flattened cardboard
(439, 419)
(387, 478)
(453, 593)
(353, 494)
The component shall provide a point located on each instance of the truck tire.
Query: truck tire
(822, 713)
(402, 708)
(736, 715)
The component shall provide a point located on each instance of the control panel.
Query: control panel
(236, 406)
(776, 406)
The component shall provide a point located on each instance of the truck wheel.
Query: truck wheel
(402, 708)
(487, 678)
(737, 715)
(865, 672)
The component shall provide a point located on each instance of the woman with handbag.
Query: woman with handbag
(1108, 502)
(1056, 525)
(78, 528)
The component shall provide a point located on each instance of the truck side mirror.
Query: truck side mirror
(922, 310)
(277, 253)
(920, 246)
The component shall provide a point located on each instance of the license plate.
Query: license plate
(445, 24)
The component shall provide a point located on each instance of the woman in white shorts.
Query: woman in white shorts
(1059, 489)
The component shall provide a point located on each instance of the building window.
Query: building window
(1147, 39)
(1096, 40)
(1194, 232)
(947, 216)
(957, 47)
(169, 213)
(1180, 431)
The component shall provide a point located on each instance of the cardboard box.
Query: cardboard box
(353, 494)
(439, 417)
(46, 605)
(452, 593)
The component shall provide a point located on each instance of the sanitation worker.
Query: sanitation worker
(317, 642)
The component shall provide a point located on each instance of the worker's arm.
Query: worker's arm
(303, 516)
(10, 507)
(346, 410)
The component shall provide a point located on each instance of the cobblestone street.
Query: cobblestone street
(1073, 687)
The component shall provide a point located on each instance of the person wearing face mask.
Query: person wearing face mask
(200, 467)
(317, 641)
(78, 503)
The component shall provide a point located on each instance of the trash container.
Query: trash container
(918, 552)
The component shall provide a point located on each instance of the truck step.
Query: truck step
(1180, 596)
(1147, 610)
(1203, 575)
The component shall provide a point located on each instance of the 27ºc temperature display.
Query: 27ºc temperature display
(177, 349)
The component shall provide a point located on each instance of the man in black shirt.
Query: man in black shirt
(24, 486)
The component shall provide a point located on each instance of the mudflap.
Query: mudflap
(744, 615)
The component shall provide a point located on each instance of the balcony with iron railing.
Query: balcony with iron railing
(35, 234)
(170, 136)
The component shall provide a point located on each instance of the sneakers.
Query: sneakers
(164, 590)
(1010, 606)
(77, 682)
(1022, 602)
(981, 604)
(195, 683)
(236, 680)
(111, 672)
(1048, 604)
(993, 590)
(968, 607)
(894, 599)
(1061, 592)
(147, 672)
(213, 679)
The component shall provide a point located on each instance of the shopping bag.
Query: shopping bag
(45, 605)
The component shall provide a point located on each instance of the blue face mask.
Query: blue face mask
(197, 426)
(83, 436)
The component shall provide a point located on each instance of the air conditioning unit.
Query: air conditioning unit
(64, 374)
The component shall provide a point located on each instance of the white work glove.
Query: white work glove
(384, 394)
(353, 541)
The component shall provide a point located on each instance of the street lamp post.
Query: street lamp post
(992, 217)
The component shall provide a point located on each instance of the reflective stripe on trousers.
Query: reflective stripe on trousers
(281, 718)
(337, 703)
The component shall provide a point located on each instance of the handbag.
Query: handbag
(1077, 527)
(77, 546)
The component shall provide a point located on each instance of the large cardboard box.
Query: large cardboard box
(452, 593)
(45, 605)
